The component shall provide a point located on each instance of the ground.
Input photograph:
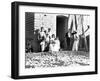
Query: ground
(56, 59)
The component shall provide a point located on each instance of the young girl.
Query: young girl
(57, 44)
(52, 37)
(42, 45)
(54, 45)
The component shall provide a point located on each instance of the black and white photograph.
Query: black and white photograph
(56, 40)
(53, 40)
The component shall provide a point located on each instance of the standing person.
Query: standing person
(54, 45)
(41, 34)
(47, 42)
(79, 25)
(72, 26)
(41, 38)
(68, 39)
(42, 45)
(45, 33)
(49, 32)
(76, 42)
(47, 38)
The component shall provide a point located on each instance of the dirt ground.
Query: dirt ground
(56, 59)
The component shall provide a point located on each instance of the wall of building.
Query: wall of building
(46, 21)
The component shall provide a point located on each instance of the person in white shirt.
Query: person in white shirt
(41, 39)
(49, 32)
(47, 39)
(47, 42)
(41, 34)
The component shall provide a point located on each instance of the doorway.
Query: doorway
(61, 29)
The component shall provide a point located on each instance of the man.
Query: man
(41, 34)
(78, 32)
(49, 32)
(41, 38)
(68, 39)
(47, 42)
(72, 26)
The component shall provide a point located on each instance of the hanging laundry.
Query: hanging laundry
(71, 23)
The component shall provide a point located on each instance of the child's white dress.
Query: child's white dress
(42, 44)
(57, 45)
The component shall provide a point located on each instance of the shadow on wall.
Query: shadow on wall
(31, 35)
(32, 44)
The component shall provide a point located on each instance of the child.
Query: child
(57, 44)
(42, 45)
(52, 46)
(47, 39)
(53, 37)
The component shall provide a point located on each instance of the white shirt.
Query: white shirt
(52, 39)
(47, 39)
(56, 46)
(42, 34)
(50, 34)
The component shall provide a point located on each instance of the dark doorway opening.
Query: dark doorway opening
(62, 28)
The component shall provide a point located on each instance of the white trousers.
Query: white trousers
(75, 45)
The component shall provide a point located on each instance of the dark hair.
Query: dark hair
(53, 35)
(42, 27)
(45, 31)
(49, 29)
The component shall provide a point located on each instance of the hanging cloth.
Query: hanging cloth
(72, 23)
